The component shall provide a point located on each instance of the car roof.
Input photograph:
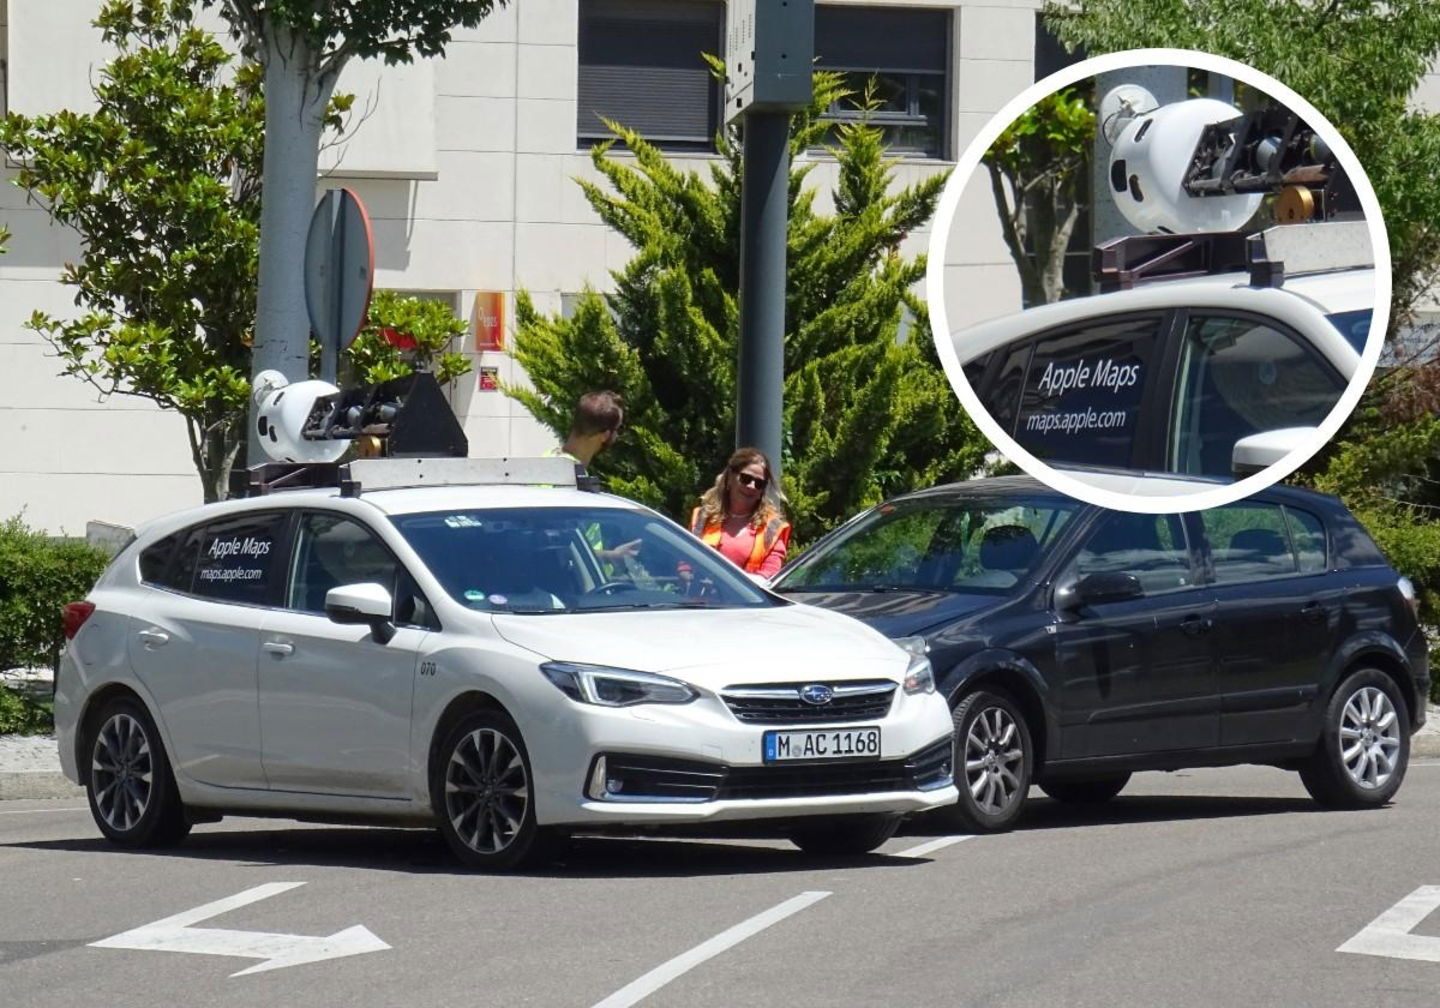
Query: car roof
(390, 502)
(1299, 303)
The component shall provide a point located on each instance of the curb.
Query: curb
(37, 784)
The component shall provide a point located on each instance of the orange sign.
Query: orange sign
(489, 320)
(489, 379)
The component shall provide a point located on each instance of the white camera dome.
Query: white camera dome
(1149, 162)
(281, 419)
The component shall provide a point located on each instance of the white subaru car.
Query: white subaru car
(460, 644)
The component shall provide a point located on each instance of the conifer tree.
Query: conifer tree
(867, 413)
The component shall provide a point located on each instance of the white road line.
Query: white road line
(931, 846)
(33, 811)
(661, 975)
(1390, 935)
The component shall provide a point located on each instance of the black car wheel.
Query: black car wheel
(1364, 744)
(1085, 790)
(485, 796)
(842, 835)
(130, 786)
(992, 762)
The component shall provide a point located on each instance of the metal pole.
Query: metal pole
(764, 214)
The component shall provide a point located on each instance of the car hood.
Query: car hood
(899, 612)
(714, 647)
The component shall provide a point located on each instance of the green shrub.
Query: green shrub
(22, 714)
(38, 575)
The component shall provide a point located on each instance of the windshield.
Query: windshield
(980, 545)
(556, 560)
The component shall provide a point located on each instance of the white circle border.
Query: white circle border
(969, 163)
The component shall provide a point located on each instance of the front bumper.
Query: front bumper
(697, 762)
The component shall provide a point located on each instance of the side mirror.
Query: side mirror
(1097, 588)
(367, 603)
(1260, 451)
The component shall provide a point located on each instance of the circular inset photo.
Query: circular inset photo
(1159, 280)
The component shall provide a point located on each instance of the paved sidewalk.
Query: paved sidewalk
(30, 764)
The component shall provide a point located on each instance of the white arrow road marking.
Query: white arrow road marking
(1389, 934)
(661, 975)
(174, 934)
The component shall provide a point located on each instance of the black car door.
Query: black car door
(1277, 617)
(1136, 675)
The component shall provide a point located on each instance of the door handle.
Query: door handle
(278, 648)
(153, 639)
(1313, 612)
(1196, 625)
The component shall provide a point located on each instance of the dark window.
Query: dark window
(1050, 55)
(231, 560)
(903, 56)
(1240, 376)
(1307, 534)
(155, 561)
(1248, 542)
(1151, 548)
(641, 65)
(1082, 393)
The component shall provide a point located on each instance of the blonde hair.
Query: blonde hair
(714, 502)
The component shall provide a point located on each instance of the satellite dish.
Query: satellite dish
(1149, 162)
(1122, 104)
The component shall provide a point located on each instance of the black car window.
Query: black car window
(1248, 542)
(1239, 376)
(969, 544)
(1082, 392)
(332, 550)
(233, 560)
(156, 560)
(1151, 548)
(1307, 534)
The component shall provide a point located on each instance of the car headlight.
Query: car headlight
(614, 687)
(919, 676)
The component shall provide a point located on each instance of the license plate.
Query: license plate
(824, 743)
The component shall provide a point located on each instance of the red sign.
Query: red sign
(489, 320)
(489, 379)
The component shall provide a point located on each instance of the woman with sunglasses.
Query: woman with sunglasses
(742, 517)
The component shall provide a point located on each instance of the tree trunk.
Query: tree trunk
(296, 97)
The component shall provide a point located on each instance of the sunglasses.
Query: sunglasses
(758, 482)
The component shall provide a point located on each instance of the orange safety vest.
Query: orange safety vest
(775, 528)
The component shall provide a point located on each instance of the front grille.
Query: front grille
(647, 778)
(780, 703)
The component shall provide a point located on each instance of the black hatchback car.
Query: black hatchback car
(1077, 645)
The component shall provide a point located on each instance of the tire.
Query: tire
(1086, 790)
(130, 786)
(1364, 744)
(993, 760)
(484, 795)
(844, 835)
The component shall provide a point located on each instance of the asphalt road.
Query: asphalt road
(1200, 888)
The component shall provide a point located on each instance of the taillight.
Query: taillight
(74, 615)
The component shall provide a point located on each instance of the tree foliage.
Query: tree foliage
(162, 183)
(1037, 175)
(866, 413)
(404, 333)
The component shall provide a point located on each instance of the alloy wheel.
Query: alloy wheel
(1369, 737)
(122, 772)
(487, 791)
(994, 760)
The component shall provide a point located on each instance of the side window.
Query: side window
(155, 561)
(1239, 376)
(1081, 397)
(332, 550)
(232, 560)
(1001, 394)
(1248, 542)
(1151, 548)
(1307, 533)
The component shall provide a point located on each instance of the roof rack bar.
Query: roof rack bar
(1122, 263)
